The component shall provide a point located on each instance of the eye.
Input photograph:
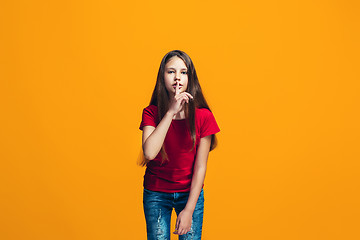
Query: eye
(171, 71)
(184, 72)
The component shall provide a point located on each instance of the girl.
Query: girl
(178, 133)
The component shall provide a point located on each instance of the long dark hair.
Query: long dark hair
(160, 98)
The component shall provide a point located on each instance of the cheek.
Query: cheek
(186, 81)
(167, 80)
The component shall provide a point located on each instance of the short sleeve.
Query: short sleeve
(148, 117)
(209, 125)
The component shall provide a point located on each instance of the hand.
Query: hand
(177, 102)
(183, 222)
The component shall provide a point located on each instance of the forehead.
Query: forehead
(175, 62)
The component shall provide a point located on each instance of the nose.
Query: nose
(177, 76)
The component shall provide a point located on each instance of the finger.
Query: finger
(180, 100)
(177, 225)
(186, 98)
(188, 94)
(183, 230)
(181, 95)
(183, 101)
(177, 88)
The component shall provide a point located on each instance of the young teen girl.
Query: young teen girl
(178, 133)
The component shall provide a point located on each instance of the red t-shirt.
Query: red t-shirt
(176, 174)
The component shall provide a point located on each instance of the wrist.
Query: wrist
(171, 113)
(189, 209)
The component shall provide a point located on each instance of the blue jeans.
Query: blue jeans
(158, 207)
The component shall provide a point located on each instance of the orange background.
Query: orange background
(282, 79)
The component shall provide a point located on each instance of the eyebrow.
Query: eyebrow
(175, 68)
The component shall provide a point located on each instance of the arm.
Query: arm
(183, 222)
(153, 138)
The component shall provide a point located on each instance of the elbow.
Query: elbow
(150, 151)
(148, 155)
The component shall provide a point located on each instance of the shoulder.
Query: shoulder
(149, 116)
(207, 123)
(203, 112)
(203, 115)
(151, 109)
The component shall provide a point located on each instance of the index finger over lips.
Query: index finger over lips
(177, 88)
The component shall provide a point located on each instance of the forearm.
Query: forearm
(196, 186)
(198, 177)
(155, 140)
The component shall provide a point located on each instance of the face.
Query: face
(175, 71)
